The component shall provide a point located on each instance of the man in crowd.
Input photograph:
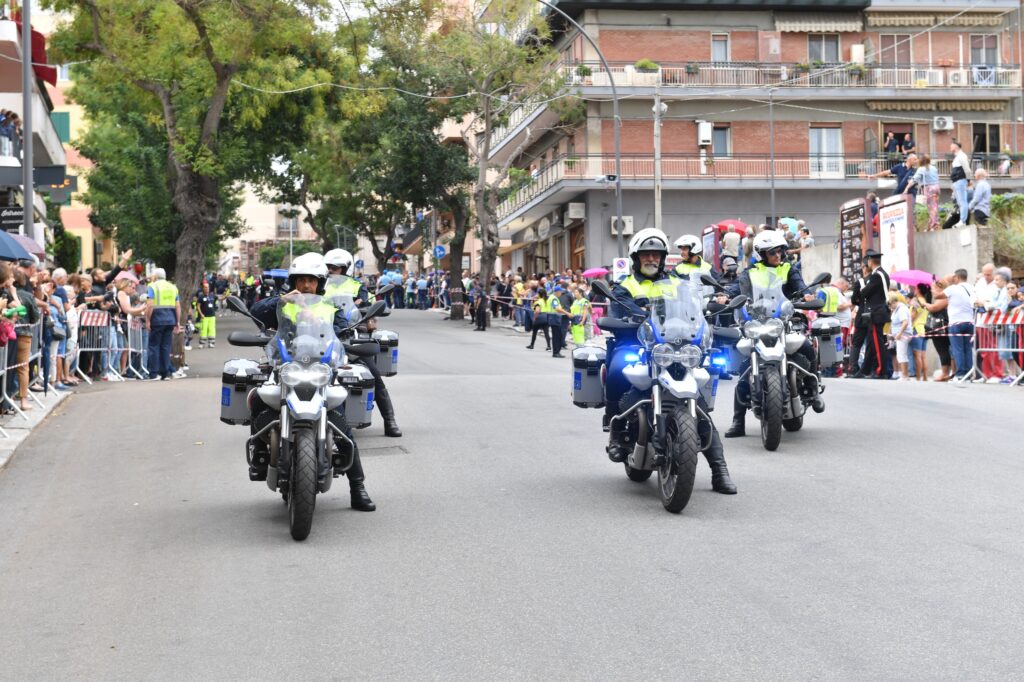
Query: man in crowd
(163, 318)
(979, 207)
(206, 311)
(870, 294)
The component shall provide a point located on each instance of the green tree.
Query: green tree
(276, 256)
(180, 58)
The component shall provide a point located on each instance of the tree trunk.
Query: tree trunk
(458, 247)
(197, 199)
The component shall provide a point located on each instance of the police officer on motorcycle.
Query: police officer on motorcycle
(691, 249)
(770, 248)
(647, 251)
(306, 275)
(339, 264)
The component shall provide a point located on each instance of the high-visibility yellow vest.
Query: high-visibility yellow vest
(322, 310)
(552, 304)
(687, 268)
(760, 274)
(165, 294)
(648, 288)
(349, 287)
(832, 298)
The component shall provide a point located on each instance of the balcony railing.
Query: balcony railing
(737, 167)
(518, 115)
(756, 74)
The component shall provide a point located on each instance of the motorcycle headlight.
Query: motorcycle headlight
(690, 356)
(767, 329)
(663, 355)
(294, 374)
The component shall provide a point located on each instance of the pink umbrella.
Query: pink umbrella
(126, 274)
(30, 245)
(595, 272)
(912, 277)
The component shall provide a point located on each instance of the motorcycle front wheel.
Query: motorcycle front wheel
(675, 477)
(771, 410)
(302, 495)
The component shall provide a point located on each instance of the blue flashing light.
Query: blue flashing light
(719, 360)
(285, 355)
(326, 357)
(631, 357)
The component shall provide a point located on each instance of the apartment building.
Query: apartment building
(829, 83)
(49, 156)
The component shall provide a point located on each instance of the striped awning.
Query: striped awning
(923, 105)
(818, 22)
(909, 20)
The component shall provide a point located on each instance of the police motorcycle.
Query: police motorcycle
(299, 383)
(782, 384)
(674, 382)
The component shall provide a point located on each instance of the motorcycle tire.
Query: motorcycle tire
(637, 475)
(771, 411)
(794, 424)
(302, 496)
(675, 478)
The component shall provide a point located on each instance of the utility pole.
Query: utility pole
(27, 158)
(659, 110)
(771, 150)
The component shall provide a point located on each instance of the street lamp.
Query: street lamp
(615, 115)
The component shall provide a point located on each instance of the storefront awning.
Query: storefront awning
(502, 250)
(818, 22)
(905, 19)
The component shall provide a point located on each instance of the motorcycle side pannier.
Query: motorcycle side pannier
(387, 358)
(239, 376)
(830, 340)
(587, 384)
(359, 404)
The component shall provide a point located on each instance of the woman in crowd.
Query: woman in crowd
(937, 325)
(901, 331)
(540, 318)
(919, 344)
(1006, 335)
(927, 178)
(580, 315)
(24, 296)
(126, 306)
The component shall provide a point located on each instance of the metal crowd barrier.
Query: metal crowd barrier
(95, 335)
(35, 352)
(996, 331)
(136, 348)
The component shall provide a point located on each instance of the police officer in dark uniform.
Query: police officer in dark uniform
(647, 250)
(771, 247)
(871, 294)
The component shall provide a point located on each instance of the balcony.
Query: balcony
(567, 177)
(841, 77)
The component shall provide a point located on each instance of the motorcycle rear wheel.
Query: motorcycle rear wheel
(675, 478)
(302, 496)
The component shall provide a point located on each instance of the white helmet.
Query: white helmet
(648, 239)
(339, 258)
(696, 247)
(768, 241)
(309, 264)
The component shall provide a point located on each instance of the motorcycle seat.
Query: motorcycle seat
(362, 350)
(614, 324)
(816, 304)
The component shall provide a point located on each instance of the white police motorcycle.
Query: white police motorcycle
(782, 383)
(298, 386)
(674, 382)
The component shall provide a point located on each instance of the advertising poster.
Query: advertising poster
(896, 233)
(709, 239)
(853, 241)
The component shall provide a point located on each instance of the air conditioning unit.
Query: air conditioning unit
(704, 131)
(576, 211)
(958, 78)
(942, 123)
(627, 226)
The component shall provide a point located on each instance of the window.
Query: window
(720, 47)
(62, 122)
(985, 138)
(721, 141)
(894, 49)
(287, 222)
(826, 151)
(984, 49)
(823, 48)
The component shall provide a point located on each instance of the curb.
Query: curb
(18, 429)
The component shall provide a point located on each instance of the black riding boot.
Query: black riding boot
(739, 416)
(617, 449)
(360, 499)
(721, 482)
(387, 410)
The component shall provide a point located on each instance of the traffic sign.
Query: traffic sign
(439, 252)
(359, 263)
(620, 269)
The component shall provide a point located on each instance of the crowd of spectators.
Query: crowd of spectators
(10, 125)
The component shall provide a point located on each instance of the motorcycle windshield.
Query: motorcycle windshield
(678, 316)
(343, 302)
(768, 301)
(305, 329)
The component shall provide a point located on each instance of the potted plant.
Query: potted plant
(801, 67)
(709, 161)
(817, 63)
(692, 69)
(856, 71)
(570, 164)
(646, 66)
(583, 71)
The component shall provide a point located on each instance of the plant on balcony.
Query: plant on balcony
(692, 69)
(709, 161)
(801, 67)
(570, 164)
(817, 63)
(646, 66)
(856, 71)
(583, 71)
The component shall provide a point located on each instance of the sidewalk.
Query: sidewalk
(18, 429)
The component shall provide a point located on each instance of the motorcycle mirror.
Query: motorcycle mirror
(823, 278)
(374, 310)
(386, 289)
(602, 287)
(736, 303)
(237, 305)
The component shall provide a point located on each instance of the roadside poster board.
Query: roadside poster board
(896, 233)
(712, 246)
(853, 237)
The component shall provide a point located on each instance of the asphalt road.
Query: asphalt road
(881, 542)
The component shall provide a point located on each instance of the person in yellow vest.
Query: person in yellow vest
(340, 283)
(163, 319)
(771, 248)
(306, 275)
(540, 306)
(691, 249)
(580, 312)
